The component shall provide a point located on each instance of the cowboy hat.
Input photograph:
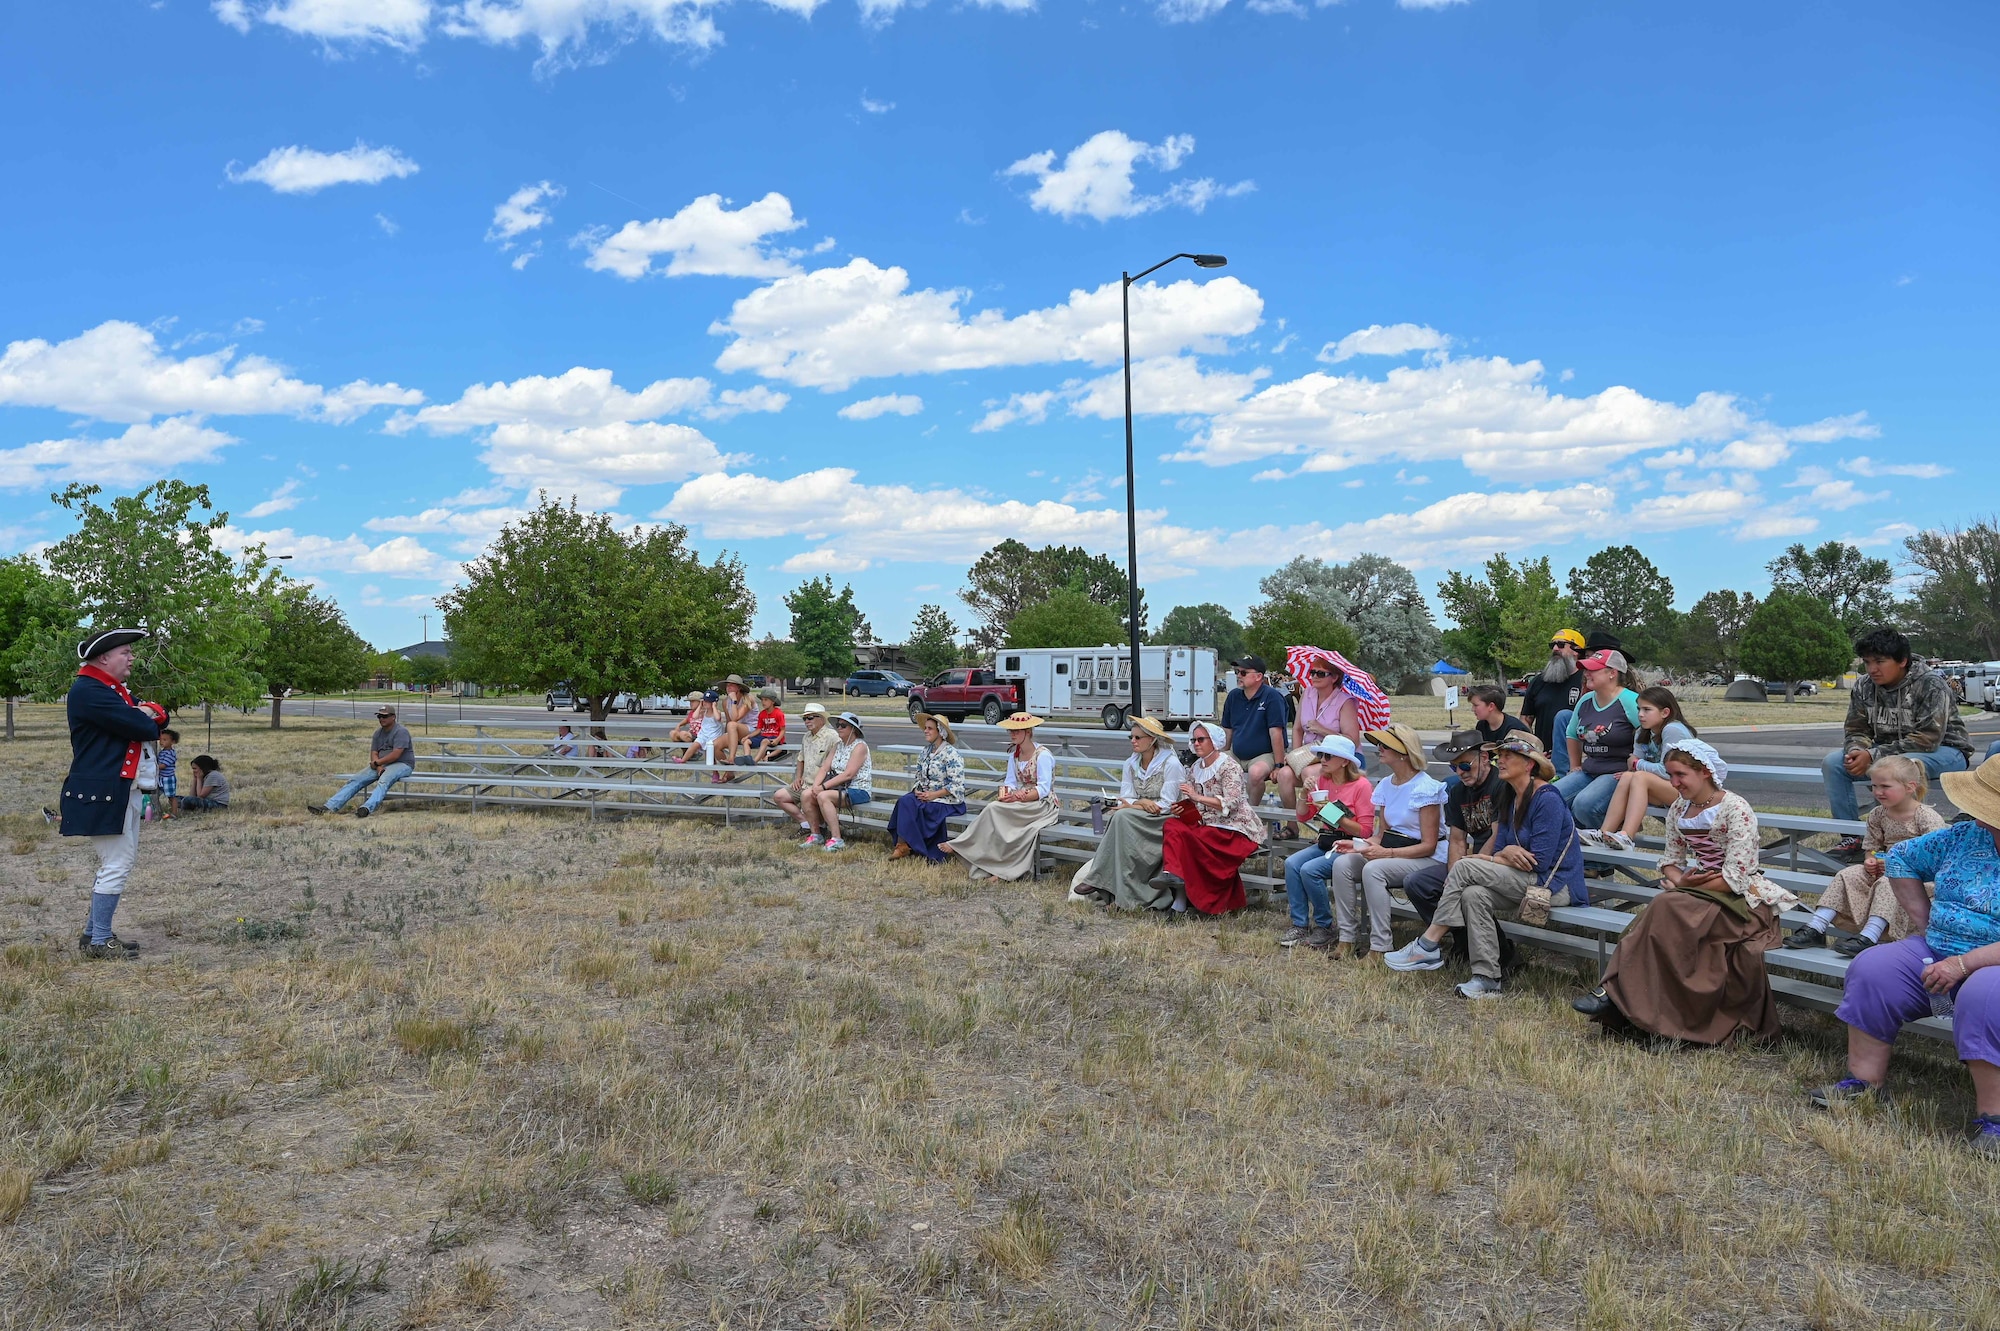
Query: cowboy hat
(944, 726)
(1021, 721)
(1525, 744)
(1152, 726)
(1459, 741)
(1976, 792)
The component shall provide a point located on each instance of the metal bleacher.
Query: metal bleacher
(533, 772)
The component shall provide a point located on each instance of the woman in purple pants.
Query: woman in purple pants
(1955, 955)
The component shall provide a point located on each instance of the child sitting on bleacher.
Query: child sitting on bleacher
(1861, 891)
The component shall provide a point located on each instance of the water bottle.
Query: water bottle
(1941, 1004)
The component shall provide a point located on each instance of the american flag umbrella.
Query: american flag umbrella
(1373, 703)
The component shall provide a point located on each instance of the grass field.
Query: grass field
(507, 1070)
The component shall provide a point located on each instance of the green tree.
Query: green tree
(1070, 618)
(390, 666)
(825, 627)
(1534, 613)
(563, 595)
(1712, 632)
(1204, 625)
(776, 658)
(1792, 636)
(308, 646)
(1475, 606)
(1620, 591)
(1955, 608)
(1011, 577)
(1295, 620)
(430, 671)
(1856, 587)
(149, 560)
(1378, 598)
(933, 643)
(32, 604)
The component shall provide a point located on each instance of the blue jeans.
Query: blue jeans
(1306, 875)
(1840, 786)
(196, 802)
(388, 777)
(1992, 749)
(1588, 797)
(1559, 751)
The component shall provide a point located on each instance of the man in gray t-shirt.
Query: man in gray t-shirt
(391, 757)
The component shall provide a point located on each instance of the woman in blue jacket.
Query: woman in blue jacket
(1534, 848)
(100, 795)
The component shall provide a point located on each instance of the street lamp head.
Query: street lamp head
(1210, 261)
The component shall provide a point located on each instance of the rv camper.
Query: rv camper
(1097, 682)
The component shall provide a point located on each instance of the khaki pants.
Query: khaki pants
(1476, 893)
(1357, 878)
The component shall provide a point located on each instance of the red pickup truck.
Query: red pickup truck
(957, 694)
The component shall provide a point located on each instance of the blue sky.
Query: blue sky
(836, 286)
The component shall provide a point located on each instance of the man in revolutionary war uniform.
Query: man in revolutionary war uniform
(100, 796)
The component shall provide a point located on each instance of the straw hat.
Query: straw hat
(1525, 744)
(814, 709)
(1976, 792)
(1152, 727)
(1021, 721)
(944, 726)
(1399, 738)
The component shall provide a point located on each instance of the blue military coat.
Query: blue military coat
(102, 729)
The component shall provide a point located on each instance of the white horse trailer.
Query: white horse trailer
(1179, 682)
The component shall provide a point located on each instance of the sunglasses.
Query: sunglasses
(1320, 674)
(1199, 738)
(1562, 646)
(1462, 767)
(1241, 673)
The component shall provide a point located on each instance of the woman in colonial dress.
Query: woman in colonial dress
(1691, 966)
(1130, 852)
(936, 793)
(1001, 841)
(1206, 851)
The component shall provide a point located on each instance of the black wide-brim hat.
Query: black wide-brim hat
(97, 644)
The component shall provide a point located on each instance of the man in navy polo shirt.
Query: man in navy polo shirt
(1255, 714)
(100, 795)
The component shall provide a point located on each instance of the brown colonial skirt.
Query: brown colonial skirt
(1693, 970)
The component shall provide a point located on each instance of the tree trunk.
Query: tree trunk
(277, 706)
(1789, 686)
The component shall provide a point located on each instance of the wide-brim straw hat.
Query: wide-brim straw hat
(1021, 721)
(1976, 792)
(1399, 738)
(1528, 746)
(1152, 726)
(814, 709)
(737, 680)
(944, 726)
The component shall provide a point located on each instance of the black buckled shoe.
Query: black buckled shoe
(1596, 1005)
(1805, 936)
(1853, 946)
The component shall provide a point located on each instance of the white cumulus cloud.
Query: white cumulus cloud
(1869, 467)
(296, 170)
(577, 396)
(143, 453)
(868, 408)
(704, 238)
(525, 210)
(117, 372)
(399, 557)
(832, 326)
(284, 497)
(1376, 340)
(596, 462)
(1095, 178)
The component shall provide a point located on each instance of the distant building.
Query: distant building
(425, 648)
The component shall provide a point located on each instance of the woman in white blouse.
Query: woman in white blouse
(1129, 853)
(1001, 841)
(1409, 812)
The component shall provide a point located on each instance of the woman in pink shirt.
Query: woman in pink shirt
(1325, 708)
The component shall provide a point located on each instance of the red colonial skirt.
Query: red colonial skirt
(1209, 860)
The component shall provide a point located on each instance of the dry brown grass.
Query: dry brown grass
(438, 1070)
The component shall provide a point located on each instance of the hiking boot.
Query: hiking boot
(1853, 946)
(1986, 1135)
(1293, 936)
(1849, 1091)
(1805, 936)
(1481, 987)
(1343, 951)
(1319, 940)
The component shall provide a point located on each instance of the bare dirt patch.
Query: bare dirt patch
(521, 1070)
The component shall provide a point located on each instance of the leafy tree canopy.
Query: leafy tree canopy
(1011, 577)
(1504, 621)
(1204, 625)
(150, 560)
(308, 646)
(563, 595)
(825, 626)
(1620, 591)
(1295, 620)
(1712, 632)
(1378, 598)
(1070, 618)
(1856, 587)
(1956, 606)
(779, 659)
(1535, 612)
(31, 603)
(1792, 636)
(933, 642)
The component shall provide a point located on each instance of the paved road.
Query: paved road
(1788, 747)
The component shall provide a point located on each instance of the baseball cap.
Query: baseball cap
(1255, 663)
(1606, 660)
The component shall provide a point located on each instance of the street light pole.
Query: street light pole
(1138, 707)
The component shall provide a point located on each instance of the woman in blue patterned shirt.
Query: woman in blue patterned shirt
(936, 793)
(1955, 954)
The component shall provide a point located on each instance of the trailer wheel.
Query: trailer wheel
(1114, 717)
(992, 712)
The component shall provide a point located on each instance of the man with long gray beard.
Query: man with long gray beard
(1552, 696)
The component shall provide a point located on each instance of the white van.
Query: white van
(1179, 682)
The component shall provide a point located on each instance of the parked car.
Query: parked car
(957, 694)
(1775, 688)
(878, 684)
(562, 695)
(1518, 687)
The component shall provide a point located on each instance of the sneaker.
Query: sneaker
(1853, 946)
(1591, 837)
(1481, 987)
(1986, 1135)
(361, 812)
(1847, 850)
(113, 948)
(318, 808)
(1619, 841)
(1805, 936)
(812, 842)
(50, 816)
(1293, 936)
(1848, 1091)
(1319, 940)
(1414, 956)
(837, 844)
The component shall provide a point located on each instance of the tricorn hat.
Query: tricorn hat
(97, 644)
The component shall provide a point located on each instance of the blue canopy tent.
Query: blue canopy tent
(1447, 668)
